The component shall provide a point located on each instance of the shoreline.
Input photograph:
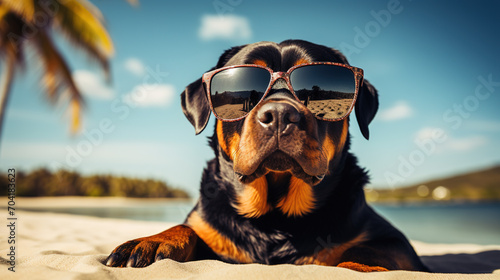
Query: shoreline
(430, 202)
(115, 201)
(23, 202)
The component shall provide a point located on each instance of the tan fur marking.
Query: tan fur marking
(234, 141)
(177, 236)
(343, 136)
(328, 148)
(299, 200)
(301, 61)
(245, 153)
(361, 267)
(219, 243)
(252, 203)
(220, 137)
(331, 256)
(260, 62)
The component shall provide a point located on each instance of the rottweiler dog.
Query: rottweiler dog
(283, 186)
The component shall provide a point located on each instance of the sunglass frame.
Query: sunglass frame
(207, 79)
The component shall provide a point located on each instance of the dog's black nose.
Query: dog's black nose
(278, 117)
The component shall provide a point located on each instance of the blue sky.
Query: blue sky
(435, 64)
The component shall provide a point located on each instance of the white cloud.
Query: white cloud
(135, 66)
(224, 27)
(149, 95)
(429, 133)
(466, 144)
(400, 110)
(92, 85)
(445, 142)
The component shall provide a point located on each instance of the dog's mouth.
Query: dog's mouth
(278, 167)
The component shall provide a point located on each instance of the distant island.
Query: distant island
(483, 185)
(43, 182)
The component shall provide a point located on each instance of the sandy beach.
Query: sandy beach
(78, 201)
(61, 246)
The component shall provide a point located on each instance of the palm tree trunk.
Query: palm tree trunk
(5, 86)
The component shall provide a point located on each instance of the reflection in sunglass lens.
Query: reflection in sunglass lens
(326, 90)
(234, 92)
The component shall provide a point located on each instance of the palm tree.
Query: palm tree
(30, 24)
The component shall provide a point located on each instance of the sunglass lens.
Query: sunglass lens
(327, 90)
(234, 92)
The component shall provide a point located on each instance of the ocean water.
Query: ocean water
(477, 223)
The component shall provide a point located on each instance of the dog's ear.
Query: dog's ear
(195, 105)
(194, 98)
(366, 107)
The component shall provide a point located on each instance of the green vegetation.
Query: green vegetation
(42, 182)
(474, 186)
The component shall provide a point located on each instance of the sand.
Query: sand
(329, 109)
(60, 246)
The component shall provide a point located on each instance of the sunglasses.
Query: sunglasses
(327, 89)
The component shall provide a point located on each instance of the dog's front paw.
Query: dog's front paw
(177, 243)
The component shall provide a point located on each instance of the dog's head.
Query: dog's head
(280, 152)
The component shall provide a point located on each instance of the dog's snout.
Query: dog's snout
(278, 116)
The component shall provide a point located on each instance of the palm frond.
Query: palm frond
(23, 8)
(82, 23)
(57, 78)
(4, 29)
(3, 10)
(11, 36)
(74, 108)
